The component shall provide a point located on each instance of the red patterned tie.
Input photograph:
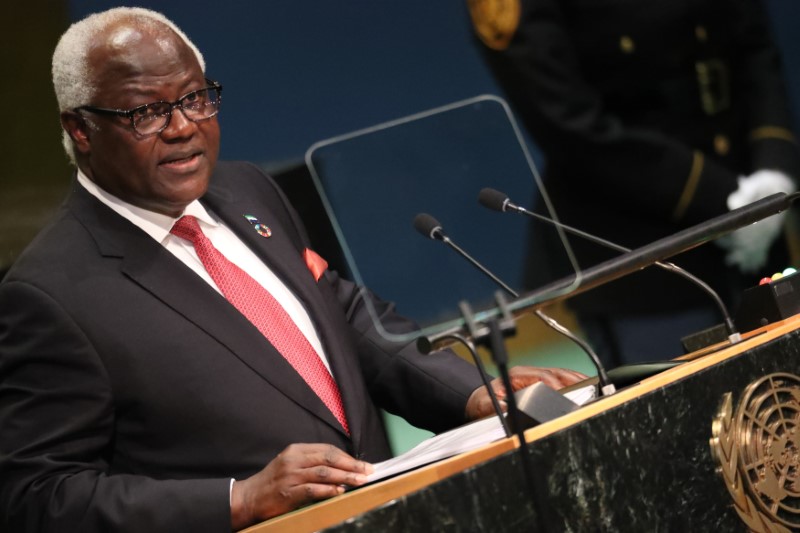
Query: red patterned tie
(266, 314)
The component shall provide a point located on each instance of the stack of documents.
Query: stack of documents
(459, 440)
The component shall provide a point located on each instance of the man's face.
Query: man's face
(163, 172)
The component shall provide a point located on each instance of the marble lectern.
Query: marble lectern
(708, 445)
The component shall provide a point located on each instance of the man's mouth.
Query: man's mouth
(182, 162)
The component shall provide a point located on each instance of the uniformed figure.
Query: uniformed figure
(653, 115)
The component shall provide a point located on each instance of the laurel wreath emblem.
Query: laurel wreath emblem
(758, 452)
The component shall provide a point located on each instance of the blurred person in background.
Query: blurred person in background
(653, 116)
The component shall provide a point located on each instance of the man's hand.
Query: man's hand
(479, 404)
(300, 474)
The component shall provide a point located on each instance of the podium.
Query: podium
(640, 460)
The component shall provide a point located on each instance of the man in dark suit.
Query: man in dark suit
(137, 390)
(653, 116)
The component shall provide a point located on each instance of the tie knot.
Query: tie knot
(186, 228)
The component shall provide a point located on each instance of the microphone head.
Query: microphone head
(428, 226)
(424, 345)
(493, 199)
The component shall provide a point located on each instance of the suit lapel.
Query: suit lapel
(283, 254)
(156, 270)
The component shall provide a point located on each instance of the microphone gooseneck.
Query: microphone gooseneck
(429, 227)
(470, 346)
(498, 201)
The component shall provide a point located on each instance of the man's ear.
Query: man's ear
(78, 129)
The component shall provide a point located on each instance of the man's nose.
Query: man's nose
(179, 125)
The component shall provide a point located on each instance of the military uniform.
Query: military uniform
(647, 112)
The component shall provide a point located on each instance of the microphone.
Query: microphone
(431, 228)
(498, 201)
(538, 402)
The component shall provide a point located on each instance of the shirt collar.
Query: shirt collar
(154, 224)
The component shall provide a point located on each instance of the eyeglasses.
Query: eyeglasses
(150, 119)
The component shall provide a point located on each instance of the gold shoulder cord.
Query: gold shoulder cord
(771, 132)
(690, 187)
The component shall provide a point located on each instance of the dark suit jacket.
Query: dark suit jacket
(131, 391)
(647, 113)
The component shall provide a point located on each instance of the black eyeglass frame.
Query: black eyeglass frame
(129, 113)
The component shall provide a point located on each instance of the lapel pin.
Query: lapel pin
(262, 229)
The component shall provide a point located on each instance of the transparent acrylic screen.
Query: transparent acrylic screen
(373, 183)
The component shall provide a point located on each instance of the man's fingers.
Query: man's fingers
(336, 458)
(312, 455)
(571, 377)
(555, 378)
(320, 464)
(479, 403)
(300, 474)
(313, 492)
(330, 475)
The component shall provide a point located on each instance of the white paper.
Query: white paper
(459, 440)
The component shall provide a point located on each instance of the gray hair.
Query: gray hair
(71, 76)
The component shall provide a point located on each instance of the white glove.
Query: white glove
(748, 247)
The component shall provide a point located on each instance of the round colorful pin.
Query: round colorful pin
(262, 229)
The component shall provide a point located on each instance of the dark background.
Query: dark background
(295, 72)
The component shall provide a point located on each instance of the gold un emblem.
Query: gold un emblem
(758, 452)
